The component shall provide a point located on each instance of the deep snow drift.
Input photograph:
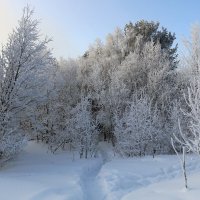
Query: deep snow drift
(37, 174)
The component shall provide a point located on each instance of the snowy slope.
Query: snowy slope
(38, 175)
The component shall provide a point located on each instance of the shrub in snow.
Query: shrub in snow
(137, 132)
(82, 128)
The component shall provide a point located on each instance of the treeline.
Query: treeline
(130, 90)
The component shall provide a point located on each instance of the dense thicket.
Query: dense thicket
(128, 91)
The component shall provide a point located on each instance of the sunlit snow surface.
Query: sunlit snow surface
(37, 174)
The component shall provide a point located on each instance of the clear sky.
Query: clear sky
(74, 24)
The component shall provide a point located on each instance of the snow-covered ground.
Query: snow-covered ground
(148, 178)
(38, 175)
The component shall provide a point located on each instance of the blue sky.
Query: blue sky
(75, 24)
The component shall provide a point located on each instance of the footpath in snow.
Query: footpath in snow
(37, 174)
(90, 180)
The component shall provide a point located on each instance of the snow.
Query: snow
(121, 178)
(168, 190)
(37, 174)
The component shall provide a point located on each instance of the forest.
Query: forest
(132, 90)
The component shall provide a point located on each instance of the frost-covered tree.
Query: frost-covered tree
(115, 45)
(95, 76)
(82, 128)
(192, 45)
(190, 135)
(145, 69)
(138, 130)
(62, 99)
(150, 31)
(151, 70)
(23, 60)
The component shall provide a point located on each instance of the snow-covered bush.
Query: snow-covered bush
(138, 131)
(83, 129)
